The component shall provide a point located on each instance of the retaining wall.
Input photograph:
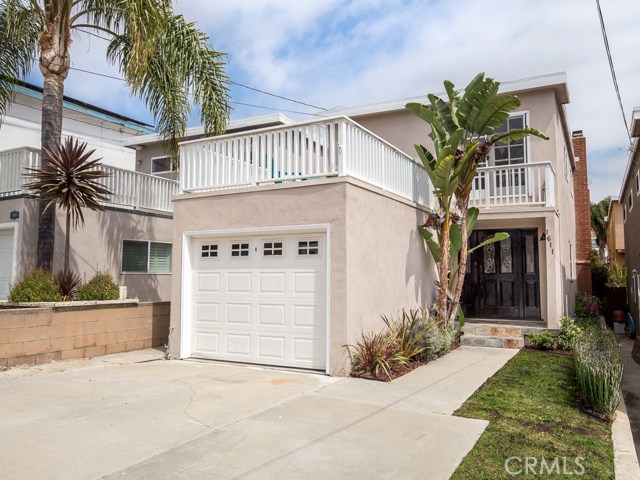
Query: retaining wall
(62, 331)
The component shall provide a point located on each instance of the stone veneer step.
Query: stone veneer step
(497, 335)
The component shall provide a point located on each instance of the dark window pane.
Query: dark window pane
(135, 255)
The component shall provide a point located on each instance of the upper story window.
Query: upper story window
(624, 213)
(566, 163)
(630, 199)
(161, 165)
(511, 153)
(638, 183)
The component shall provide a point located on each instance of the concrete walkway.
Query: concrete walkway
(115, 418)
(631, 389)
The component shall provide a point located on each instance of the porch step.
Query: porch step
(497, 335)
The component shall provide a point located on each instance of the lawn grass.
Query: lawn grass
(532, 409)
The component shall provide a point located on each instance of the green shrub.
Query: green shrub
(543, 341)
(587, 310)
(100, 287)
(569, 330)
(437, 339)
(617, 275)
(599, 370)
(406, 333)
(36, 286)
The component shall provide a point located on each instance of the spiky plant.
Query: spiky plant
(69, 179)
(69, 282)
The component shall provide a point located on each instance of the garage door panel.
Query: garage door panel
(272, 282)
(207, 342)
(267, 309)
(238, 313)
(207, 312)
(208, 282)
(239, 282)
(272, 315)
(238, 344)
(271, 347)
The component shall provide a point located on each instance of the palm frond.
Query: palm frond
(20, 24)
(183, 63)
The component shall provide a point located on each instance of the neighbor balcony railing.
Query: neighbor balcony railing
(525, 184)
(131, 190)
(302, 152)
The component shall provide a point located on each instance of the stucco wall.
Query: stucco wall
(96, 246)
(631, 236)
(377, 263)
(388, 268)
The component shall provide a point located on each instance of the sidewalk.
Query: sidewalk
(631, 389)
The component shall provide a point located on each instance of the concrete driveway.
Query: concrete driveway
(135, 416)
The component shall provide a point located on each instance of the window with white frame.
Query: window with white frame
(638, 183)
(209, 250)
(624, 213)
(572, 263)
(630, 200)
(308, 247)
(161, 165)
(142, 256)
(511, 153)
(272, 249)
(239, 249)
(566, 163)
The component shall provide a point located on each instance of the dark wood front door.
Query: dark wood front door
(503, 278)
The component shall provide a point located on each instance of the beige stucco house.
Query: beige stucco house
(614, 225)
(288, 238)
(291, 238)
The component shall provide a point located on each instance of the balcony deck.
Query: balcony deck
(131, 190)
(338, 146)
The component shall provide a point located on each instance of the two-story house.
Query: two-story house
(291, 239)
(131, 239)
(629, 193)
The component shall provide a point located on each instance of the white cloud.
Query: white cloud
(348, 52)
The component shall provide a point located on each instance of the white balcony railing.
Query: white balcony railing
(131, 190)
(303, 152)
(528, 184)
(12, 167)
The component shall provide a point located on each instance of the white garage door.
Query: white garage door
(260, 299)
(6, 262)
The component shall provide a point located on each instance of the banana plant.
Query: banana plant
(464, 126)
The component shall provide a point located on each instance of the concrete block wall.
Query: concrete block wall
(39, 335)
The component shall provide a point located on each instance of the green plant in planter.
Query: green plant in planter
(543, 341)
(568, 333)
(36, 286)
(100, 287)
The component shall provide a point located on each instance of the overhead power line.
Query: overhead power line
(613, 72)
(264, 92)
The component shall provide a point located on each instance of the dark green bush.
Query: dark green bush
(36, 286)
(100, 287)
(543, 341)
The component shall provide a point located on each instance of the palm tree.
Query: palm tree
(164, 59)
(599, 212)
(70, 180)
(463, 126)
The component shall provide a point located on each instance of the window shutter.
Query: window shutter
(134, 256)
(160, 258)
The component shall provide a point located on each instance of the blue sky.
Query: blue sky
(348, 52)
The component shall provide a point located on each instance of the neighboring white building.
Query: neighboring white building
(103, 130)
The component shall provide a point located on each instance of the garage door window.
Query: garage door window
(146, 257)
(209, 251)
(240, 250)
(308, 247)
(272, 249)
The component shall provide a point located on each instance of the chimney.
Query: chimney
(583, 214)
